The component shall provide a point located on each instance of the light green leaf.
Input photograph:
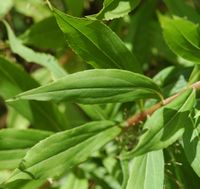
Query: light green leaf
(67, 149)
(165, 126)
(116, 9)
(43, 115)
(182, 36)
(5, 7)
(96, 43)
(74, 182)
(29, 55)
(15, 143)
(96, 86)
(32, 8)
(191, 144)
(147, 171)
(42, 35)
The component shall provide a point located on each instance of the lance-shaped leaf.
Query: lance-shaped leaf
(44, 115)
(15, 143)
(116, 9)
(96, 43)
(61, 151)
(147, 171)
(29, 55)
(182, 36)
(191, 144)
(96, 86)
(166, 125)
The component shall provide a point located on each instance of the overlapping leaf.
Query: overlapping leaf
(44, 115)
(96, 86)
(65, 150)
(96, 43)
(29, 55)
(166, 125)
(15, 143)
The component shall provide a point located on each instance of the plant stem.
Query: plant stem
(137, 118)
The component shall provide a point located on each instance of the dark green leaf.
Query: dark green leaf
(96, 43)
(43, 115)
(42, 35)
(191, 143)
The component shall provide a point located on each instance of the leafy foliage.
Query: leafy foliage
(99, 94)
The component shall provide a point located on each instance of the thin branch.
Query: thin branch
(135, 119)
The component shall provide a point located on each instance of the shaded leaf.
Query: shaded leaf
(96, 43)
(96, 86)
(44, 115)
(165, 126)
(42, 35)
(68, 149)
(191, 144)
(15, 143)
(29, 55)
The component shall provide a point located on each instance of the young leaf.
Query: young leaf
(65, 150)
(15, 143)
(116, 9)
(29, 55)
(182, 36)
(43, 115)
(166, 125)
(96, 86)
(147, 171)
(96, 43)
(191, 144)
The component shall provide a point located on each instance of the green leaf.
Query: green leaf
(191, 144)
(147, 171)
(182, 36)
(67, 149)
(42, 35)
(96, 43)
(32, 8)
(15, 143)
(116, 9)
(74, 182)
(96, 86)
(43, 115)
(166, 125)
(29, 55)
(182, 9)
